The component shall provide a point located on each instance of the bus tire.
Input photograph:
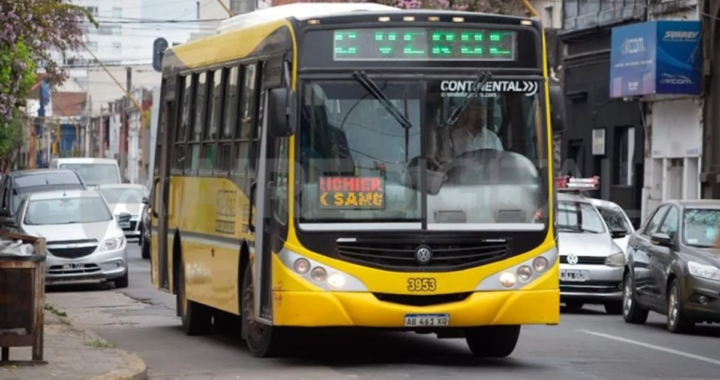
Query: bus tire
(492, 341)
(196, 318)
(263, 341)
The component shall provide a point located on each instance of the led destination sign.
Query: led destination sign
(409, 44)
(351, 193)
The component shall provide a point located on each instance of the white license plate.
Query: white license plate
(125, 225)
(425, 320)
(71, 266)
(574, 275)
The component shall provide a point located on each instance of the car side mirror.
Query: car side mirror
(8, 222)
(618, 233)
(146, 200)
(661, 239)
(558, 113)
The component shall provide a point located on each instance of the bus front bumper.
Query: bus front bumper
(336, 309)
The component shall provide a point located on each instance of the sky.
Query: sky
(169, 9)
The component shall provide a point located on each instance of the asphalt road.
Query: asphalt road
(586, 345)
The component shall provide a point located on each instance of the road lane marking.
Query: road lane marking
(653, 347)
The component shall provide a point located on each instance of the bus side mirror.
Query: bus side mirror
(558, 115)
(280, 112)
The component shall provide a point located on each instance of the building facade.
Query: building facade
(605, 135)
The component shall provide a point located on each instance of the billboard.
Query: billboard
(657, 57)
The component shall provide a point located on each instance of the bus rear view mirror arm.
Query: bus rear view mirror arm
(558, 113)
(280, 112)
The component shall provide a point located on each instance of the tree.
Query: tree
(31, 30)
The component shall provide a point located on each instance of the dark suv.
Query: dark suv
(17, 184)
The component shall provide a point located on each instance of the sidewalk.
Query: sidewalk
(75, 354)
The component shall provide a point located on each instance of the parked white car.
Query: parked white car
(83, 238)
(126, 198)
(616, 219)
(94, 171)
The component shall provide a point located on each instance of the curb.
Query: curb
(135, 368)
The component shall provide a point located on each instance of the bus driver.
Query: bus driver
(473, 133)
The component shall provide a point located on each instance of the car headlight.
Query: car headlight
(112, 244)
(615, 260)
(704, 271)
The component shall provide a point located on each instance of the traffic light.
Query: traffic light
(159, 47)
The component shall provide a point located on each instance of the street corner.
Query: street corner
(73, 353)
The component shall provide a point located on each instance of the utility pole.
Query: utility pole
(125, 126)
(222, 4)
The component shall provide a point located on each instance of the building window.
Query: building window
(117, 48)
(548, 17)
(624, 154)
(105, 30)
(239, 6)
(117, 12)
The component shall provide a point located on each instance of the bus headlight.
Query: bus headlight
(508, 279)
(336, 281)
(540, 264)
(301, 266)
(524, 273)
(318, 274)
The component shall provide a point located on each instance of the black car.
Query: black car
(17, 184)
(673, 266)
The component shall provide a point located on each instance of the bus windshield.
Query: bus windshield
(361, 165)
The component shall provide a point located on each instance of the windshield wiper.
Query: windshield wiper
(373, 88)
(482, 78)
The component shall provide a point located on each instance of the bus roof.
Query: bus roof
(299, 11)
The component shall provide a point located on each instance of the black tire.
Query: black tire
(574, 304)
(631, 310)
(124, 281)
(614, 308)
(196, 318)
(492, 341)
(677, 321)
(263, 341)
(226, 323)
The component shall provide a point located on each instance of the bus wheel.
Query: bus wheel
(262, 340)
(492, 341)
(196, 318)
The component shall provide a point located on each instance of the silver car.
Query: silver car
(615, 218)
(84, 241)
(126, 199)
(591, 263)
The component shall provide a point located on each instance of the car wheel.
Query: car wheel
(631, 310)
(677, 321)
(492, 341)
(124, 281)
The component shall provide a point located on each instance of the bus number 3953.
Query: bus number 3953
(421, 285)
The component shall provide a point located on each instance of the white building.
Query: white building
(549, 12)
(211, 11)
(673, 141)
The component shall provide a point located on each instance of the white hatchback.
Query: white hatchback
(616, 219)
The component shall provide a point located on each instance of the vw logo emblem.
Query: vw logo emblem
(423, 254)
(572, 259)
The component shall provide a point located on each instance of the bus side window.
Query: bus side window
(281, 180)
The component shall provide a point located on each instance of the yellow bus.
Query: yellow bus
(357, 165)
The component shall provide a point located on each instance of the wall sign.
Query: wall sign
(598, 142)
(658, 57)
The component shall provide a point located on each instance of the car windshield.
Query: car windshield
(123, 195)
(700, 227)
(361, 164)
(615, 218)
(95, 174)
(578, 217)
(67, 211)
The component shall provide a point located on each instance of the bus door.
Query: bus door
(161, 185)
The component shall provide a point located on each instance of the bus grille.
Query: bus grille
(430, 300)
(401, 256)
